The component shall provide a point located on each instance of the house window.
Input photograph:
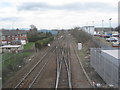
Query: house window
(8, 48)
(9, 38)
(3, 37)
(16, 38)
(12, 37)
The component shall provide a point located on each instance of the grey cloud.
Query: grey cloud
(77, 6)
(34, 6)
(10, 19)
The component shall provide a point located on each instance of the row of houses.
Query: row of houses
(13, 37)
(12, 40)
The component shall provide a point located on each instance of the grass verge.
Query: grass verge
(13, 61)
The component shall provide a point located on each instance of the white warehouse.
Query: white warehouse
(89, 29)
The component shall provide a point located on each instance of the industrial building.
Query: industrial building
(89, 29)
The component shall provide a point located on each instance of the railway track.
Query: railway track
(63, 79)
(64, 73)
(81, 65)
(29, 79)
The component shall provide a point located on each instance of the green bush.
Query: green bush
(81, 36)
(38, 36)
(40, 43)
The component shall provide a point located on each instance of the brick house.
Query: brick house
(13, 36)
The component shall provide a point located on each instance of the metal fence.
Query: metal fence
(102, 45)
(105, 65)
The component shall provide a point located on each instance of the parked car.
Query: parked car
(106, 36)
(115, 35)
(116, 44)
(103, 35)
(97, 34)
(112, 39)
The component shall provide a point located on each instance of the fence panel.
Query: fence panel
(105, 65)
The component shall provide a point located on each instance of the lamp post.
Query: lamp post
(93, 23)
(102, 25)
(110, 22)
(110, 25)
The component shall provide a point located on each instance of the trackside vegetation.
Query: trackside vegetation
(81, 36)
(41, 43)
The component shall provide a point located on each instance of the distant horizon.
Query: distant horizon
(54, 28)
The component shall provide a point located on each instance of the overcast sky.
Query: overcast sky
(51, 14)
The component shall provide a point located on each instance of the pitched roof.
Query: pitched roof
(12, 32)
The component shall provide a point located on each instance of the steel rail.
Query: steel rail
(89, 80)
(68, 74)
(59, 63)
(30, 71)
(67, 65)
(59, 66)
(44, 66)
(33, 68)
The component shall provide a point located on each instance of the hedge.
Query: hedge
(41, 43)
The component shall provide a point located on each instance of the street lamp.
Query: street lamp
(110, 22)
(110, 25)
(102, 25)
(93, 23)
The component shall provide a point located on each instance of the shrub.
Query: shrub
(40, 43)
(81, 36)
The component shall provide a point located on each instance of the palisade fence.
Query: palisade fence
(106, 66)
